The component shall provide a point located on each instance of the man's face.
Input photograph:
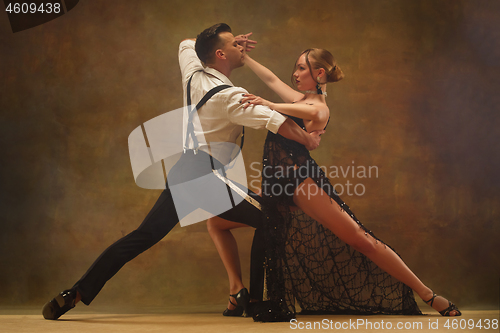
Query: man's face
(232, 50)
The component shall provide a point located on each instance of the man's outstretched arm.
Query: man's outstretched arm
(290, 130)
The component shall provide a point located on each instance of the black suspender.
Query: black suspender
(190, 126)
(191, 112)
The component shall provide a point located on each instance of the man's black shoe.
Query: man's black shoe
(59, 305)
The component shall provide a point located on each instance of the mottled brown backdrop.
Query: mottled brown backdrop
(419, 102)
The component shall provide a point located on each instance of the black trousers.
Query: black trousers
(158, 223)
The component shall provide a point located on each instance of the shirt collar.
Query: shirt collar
(219, 75)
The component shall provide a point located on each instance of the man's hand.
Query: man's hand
(290, 130)
(314, 139)
(245, 42)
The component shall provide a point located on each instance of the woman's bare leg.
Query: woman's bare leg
(220, 231)
(318, 205)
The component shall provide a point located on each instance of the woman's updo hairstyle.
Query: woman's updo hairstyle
(321, 58)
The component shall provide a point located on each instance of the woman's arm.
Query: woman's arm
(303, 111)
(286, 93)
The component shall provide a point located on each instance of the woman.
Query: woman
(311, 233)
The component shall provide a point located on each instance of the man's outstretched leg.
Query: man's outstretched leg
(158, 223)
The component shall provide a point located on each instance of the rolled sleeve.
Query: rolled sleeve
(188, 60)
(275, 121)
(255, 116)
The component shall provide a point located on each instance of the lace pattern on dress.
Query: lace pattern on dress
(306, 264)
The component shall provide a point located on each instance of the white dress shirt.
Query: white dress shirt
(222, 118)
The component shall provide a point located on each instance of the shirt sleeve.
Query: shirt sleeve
(255, 116)
(188, 60)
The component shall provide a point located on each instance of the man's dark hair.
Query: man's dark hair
(209, 41)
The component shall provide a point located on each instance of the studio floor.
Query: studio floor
(82, 320)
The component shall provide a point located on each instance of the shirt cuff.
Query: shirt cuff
(275, 122)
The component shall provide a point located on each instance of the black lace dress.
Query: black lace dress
(306, 264)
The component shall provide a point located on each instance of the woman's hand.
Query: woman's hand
(250, 99)
(245, 42)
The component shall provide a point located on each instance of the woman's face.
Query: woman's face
(302, 75)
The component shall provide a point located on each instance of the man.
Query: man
(221, 120)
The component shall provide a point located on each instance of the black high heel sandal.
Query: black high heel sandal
(445, 312)
(242, 299)
(236, 312)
